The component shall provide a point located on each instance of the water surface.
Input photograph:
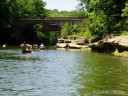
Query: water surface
(55, 72)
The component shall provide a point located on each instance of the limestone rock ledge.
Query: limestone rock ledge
(117, 43)
(62, 45)
(77, 43)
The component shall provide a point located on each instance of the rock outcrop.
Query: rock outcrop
(62, 45)
(77, 43)
(111, 45)
(117, 45)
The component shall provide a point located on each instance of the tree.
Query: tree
(125, 16)
(81, 8)
(65, 30)
(12, 10)
(39, 10)
(39, 34)
(104, 16)
(74, 29)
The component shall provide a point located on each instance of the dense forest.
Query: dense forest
(103, 17)
(10, 13)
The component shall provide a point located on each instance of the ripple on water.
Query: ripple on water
(59, 73)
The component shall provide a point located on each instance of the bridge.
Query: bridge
(51, 23)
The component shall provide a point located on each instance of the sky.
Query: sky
(61, 5)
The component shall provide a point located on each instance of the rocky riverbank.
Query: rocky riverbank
(117, 45)
(73, 43)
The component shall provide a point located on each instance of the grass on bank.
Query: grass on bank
(124, 33)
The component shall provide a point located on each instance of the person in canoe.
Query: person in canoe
(41, 47)
(26, 48)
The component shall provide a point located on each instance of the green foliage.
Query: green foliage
(84, 29)
(46, 37)
(98, 24)
(12, 10)
(53, 37)
(56, 13)
(65, 30)
(38, 27)
(105, 17)
(125, 16)
(74, 30)
(125, 10)
(39, 10)
(124, 33)
(40, 35)
(31, 8)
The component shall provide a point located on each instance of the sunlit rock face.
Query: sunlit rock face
(110, 45)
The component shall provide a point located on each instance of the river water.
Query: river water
(55, 72)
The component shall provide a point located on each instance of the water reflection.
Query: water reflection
(103, 75)
(17, 55)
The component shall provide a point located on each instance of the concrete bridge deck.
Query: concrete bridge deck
(59, 21)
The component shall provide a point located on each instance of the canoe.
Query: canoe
(41, 48)
(26, 51)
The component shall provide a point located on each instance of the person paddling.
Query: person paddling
(41, 46)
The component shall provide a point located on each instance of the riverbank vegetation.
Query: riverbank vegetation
(104, 17)
(10, 13)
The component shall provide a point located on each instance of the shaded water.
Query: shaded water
(54, 72)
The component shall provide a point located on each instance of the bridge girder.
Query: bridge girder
(56, 21)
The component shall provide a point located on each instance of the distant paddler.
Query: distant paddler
(26, 48)
(41, 47)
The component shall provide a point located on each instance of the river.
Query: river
(56, 72)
